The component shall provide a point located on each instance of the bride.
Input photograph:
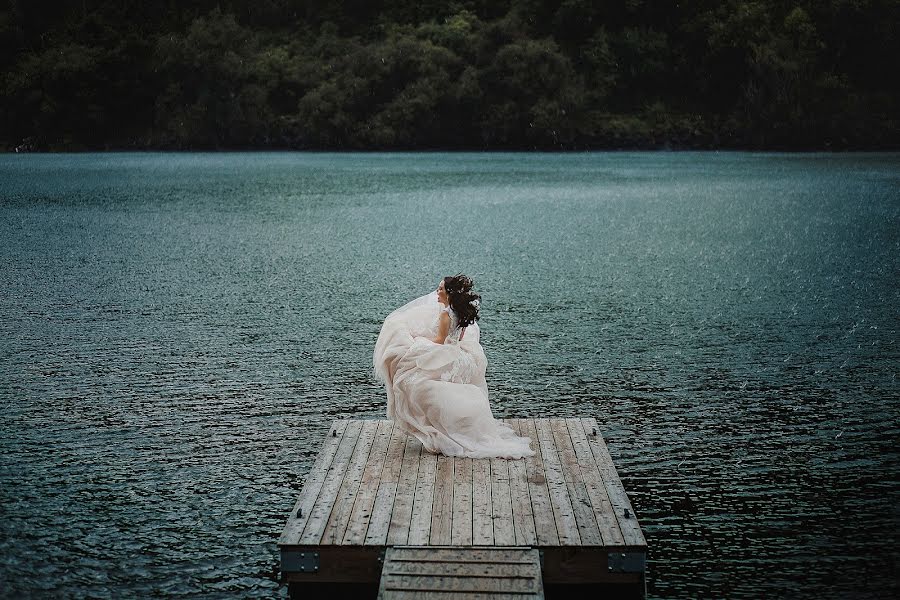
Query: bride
(429, 357)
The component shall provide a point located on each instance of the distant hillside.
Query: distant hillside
(480, 74)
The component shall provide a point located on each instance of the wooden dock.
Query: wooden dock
(374, 488)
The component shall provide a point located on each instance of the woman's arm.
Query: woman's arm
(443, 328)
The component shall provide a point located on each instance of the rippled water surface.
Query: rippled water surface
(179, 330)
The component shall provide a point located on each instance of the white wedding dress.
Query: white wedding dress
(437, 392)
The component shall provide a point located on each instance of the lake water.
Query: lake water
(179, 330)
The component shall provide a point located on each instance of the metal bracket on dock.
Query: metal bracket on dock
(299, 562)
(627, 562)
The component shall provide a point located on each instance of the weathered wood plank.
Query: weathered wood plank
(544, 521)
(461, 526)
(393, 461)
(568, 461)
(336, 524)
(401, 516)
(596, 490)
(461, 569)
(458, 573)
(563, 513)
(451, 554)
(321, 510)
(588, 529)
(501, 503)
(360, 516)
(380, 521)
(422, 595)
(422, 512)
(482, 524)
(447, 595)
(313, 485)
(460, 585)
(631, 530)
(442, 507)
(523, 518)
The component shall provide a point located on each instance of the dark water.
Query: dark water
(178, 330)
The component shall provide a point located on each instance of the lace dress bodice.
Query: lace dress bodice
(454, 332)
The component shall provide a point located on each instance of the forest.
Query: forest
(458, 75)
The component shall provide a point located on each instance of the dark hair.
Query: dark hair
(463, 300)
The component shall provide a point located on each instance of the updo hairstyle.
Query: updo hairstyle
(463, 300)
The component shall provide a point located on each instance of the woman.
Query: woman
(429, 357)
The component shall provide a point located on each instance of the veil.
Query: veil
(416, 318)
(429, 300)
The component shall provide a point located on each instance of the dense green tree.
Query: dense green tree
(212, 95)
(356, 74)
(532, 98)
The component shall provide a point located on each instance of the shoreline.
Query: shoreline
(113, 149)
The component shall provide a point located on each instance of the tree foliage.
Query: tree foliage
(470, 74)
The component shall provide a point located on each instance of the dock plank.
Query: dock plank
(596, 490)
(461, 573)
(432, 595)
(461, 526)
(631, 530)
(460, 585)
(482, 523)
(380, 522)
(460, 569)
(313, 485)
(501, 503)
(423, 503)
(401, 515)
(321, 510)
(563, 512)
(523, 518)
(339, 517)
(588, 528)
(361, 514)
(544, 521)
(442, 507)
(563, 442)
(449, 553)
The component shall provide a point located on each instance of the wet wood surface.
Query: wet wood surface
(374, 486)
